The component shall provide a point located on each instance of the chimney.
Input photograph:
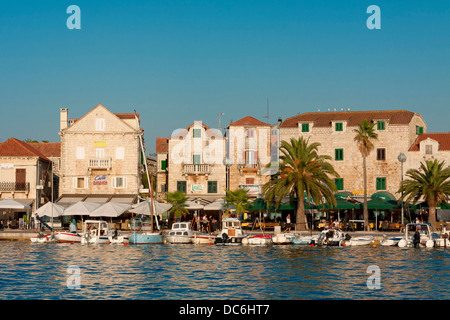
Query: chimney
(64, 114)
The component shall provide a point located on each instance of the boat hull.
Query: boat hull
(203, 239)
(359, 241)
(146, 238)
(229, 241)
(67, 237)
(44, 239)
(179, 239)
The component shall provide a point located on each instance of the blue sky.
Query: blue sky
(180, 61)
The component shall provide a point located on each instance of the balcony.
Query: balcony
(250, 167)
(196, 169)
(99, 164)
(14, 186)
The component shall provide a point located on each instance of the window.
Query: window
(339, 183)
(419, 130)
(305, 127)
(181, 186)
(381, 125)
(339, 126)
(338, 154)
(197, 133)
(251, 159)
(100, 153)
(120, 153)
(212, 186)
(381, 183)
(250, 133)
(163, 187)
(428, 149)
(381, 154)
(119, 182)
(163, 164)
(249, 180)
(80, 153)
(197, 159)
(80, 182)
(100, 124)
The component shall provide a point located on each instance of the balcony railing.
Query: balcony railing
(14, 186)
(196, 169)
(99, 163)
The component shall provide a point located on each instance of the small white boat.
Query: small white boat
(43, 238)
(115, 238)
(444, 237)
(67, 237)
(426, 238)
(258, 240)
(95, 232)
(231, 233)
(359, 241)
(331, 237)
(390, 241)
(283, 238)
(181, 233)
(204, 238)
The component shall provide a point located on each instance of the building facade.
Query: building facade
(101, 156)
(397, 130)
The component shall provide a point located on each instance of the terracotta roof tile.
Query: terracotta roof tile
(442, 137)
(162, 145)
(16, 148)
(248, 121)
(48, 149)
(353, 118)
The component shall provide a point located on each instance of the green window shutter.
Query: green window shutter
(339, 183)
(163, 164)
(197, 133)
(338, 154)
(381, 183)
(305, 127)
(196, 159)
(380, 125)
(420, 130)
(181, 186)
(212, 186)
(339, 126)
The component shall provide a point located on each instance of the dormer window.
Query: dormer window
(197, 133)
(428, 149)
(381, 125)
(339, 126)
(305, 127)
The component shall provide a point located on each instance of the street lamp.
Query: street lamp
(402, 158)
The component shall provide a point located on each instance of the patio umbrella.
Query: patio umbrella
(191, 205)
(217, 205)
(110, 209)
(341, 204)
(81, 208)
(12, 204)
(257, 204)
(49, 209)
(378, 203)
(144, 207)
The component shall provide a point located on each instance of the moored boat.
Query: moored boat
(259, 239)
(418, 235)
(283, 238)
(203, 238)
(95, 232)
(67, 237)
(181, 232)
(146, 238)
(390, 241)
(359, 241)
(331, 237)
(231, 233)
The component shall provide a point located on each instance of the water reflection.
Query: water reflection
(39, 271)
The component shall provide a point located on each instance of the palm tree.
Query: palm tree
(178, 201)
(365, 135)
(432, 182)
(303, 172)
(239, 199)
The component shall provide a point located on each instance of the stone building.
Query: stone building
(248, 153)
(194, 163)
(397, 131)
(162, 146)
(24, 176)
(428, 146)
(101, 157)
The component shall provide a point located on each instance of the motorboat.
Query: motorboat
(231, 233)
(67, 237)
(427, 237)
(203, 238)
(444, 238)
(305, 240)
(95, 232)
(43, 238)
(181, 232)
(359, 241)
(258, 239)
(116, 238)
(331, 237)
(390, 241)
(146, 238)
(283, 238)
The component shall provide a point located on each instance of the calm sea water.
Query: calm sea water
(40, 271)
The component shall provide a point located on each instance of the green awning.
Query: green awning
(383, 195)
(378, 203)
(343, 195)
(341, 204)
(291, 206)
(258, 204)
(424, 205)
